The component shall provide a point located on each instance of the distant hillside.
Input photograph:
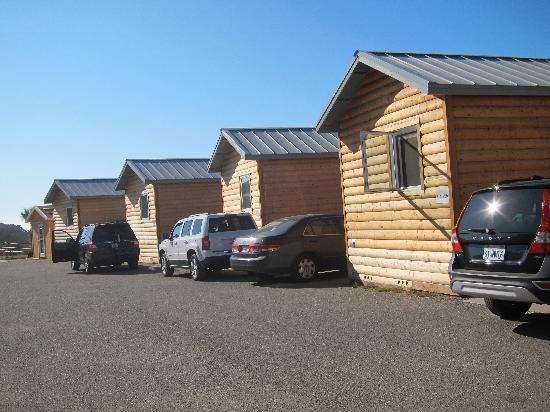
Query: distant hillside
(13, 234)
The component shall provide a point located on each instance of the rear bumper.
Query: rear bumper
(258, 264)
(514, 293)
(107, 259)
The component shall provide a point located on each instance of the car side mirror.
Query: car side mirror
(165, 236)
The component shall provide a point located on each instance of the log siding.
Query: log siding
(399, 238)
(98, 210)
(60, 204)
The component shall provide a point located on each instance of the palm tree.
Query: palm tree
(25, 213)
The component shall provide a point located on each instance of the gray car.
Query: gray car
(202, 242)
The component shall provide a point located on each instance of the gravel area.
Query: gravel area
(137, 341)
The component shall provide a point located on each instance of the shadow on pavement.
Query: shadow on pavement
(122, 270)
(229, 276)
(323, 280)
(536, 325)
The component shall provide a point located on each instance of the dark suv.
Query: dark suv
(501, 247)
(101, 244)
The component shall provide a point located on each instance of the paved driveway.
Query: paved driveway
(139, 341)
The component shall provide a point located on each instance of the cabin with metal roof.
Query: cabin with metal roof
(78, 202)
(40, 219)
(159, 192)
(418, 133)
(277, 172)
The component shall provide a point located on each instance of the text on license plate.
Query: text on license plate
(493, 253)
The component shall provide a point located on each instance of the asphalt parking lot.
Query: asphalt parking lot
(137, 341)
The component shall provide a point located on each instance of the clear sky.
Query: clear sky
(85, 85)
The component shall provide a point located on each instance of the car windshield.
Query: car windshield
(105, 233)
(277, 227)
(230, 223)
(503, 211)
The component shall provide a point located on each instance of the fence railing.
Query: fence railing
(14, 250)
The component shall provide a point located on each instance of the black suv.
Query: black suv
(501, 247)
(101, 244)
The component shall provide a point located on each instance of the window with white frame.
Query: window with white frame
(246, 200)
(391, 161)
(70, 218)
(144, 205)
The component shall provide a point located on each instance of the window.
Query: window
(230, 223)
(324, 226)
(176, 231)
(186, 231)
(70, 219)
(197, 227)
(246, 202)
(391, 161)
(144, 205)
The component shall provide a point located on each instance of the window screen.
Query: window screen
(70, 220)
(391, 161)
(144, 206)
(246, 201)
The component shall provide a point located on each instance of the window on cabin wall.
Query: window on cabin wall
(391, 161)
(246, 200)
(69, 217)
(144, 205)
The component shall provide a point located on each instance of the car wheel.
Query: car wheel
(198, 272)
(75, 265)
(165, 266)
(133, 264)
(88, 267)
(507, 309)
(305, 268)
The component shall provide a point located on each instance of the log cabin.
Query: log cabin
(78, 202)
(278, 172)
(41, 220)
(417, 134)
(159, 192)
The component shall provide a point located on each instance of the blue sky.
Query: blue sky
(85, 85)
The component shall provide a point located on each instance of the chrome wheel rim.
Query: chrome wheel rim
(306, 268)
(193, 268)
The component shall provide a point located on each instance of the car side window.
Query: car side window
(324, 226)
(186, 231)
(330, 227)
(197, 227)
(314, 227)
(176, 231)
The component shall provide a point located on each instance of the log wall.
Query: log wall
(100, 210)
(396, 238)
(299, 186)
(60, 204)
(232, 168)
(144, 229)
(496, 138)
(175, 201)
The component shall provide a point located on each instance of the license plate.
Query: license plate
(494, 254)
(244, 249)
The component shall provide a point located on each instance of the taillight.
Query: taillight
(455, 241)
(543, 284)
(236, 248)
(92, 247)
(205, 243)
(541, 243)
(135, 244)
(255, 248)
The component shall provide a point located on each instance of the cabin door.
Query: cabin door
(41, 245)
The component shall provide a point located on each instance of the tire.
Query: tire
(88, 268)
(75, 265)
(133, 264)
(198, 272)
(506, 309)
(305, 268)
(165, 266)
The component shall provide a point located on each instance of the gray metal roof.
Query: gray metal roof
(166, 171)
(274, 143)
(79, 188)
(443, 74)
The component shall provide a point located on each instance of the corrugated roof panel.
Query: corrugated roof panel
(78, 188)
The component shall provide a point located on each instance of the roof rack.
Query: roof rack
(505, 182)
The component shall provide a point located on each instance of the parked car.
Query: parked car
(300, 245)
(100, 244)
(501, 247)
(202, 242)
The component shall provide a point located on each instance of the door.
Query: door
(64, 247)
(183, 244)
(41, 245)
(172, 242)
